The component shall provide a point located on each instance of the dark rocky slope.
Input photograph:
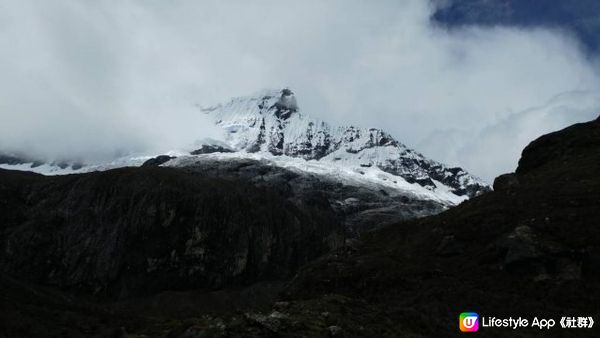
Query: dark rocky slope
(136, 231)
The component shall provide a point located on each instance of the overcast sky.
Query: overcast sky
(91, 79)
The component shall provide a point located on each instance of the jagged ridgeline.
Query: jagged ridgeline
(271, 122)
(270, 125)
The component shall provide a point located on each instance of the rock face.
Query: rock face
(506, 181)
(272, 123)
(563, 146)
(158, 160)
(136, 231)
(209, 149)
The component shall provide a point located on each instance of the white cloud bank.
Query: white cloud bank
(93, 77)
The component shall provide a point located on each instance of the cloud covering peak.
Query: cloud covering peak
(90, 79)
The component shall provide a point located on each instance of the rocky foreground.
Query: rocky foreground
(162, 252)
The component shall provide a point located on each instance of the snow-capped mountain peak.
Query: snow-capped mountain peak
(272, 123)
(272, 127)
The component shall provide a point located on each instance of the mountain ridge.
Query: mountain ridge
(270, 125)
(271, 122)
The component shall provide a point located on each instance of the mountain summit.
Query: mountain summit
(271, 123)
(271, 128)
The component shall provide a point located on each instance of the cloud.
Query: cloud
(497, 148)
(83, 77)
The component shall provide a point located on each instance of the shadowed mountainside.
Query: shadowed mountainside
(136, 231)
